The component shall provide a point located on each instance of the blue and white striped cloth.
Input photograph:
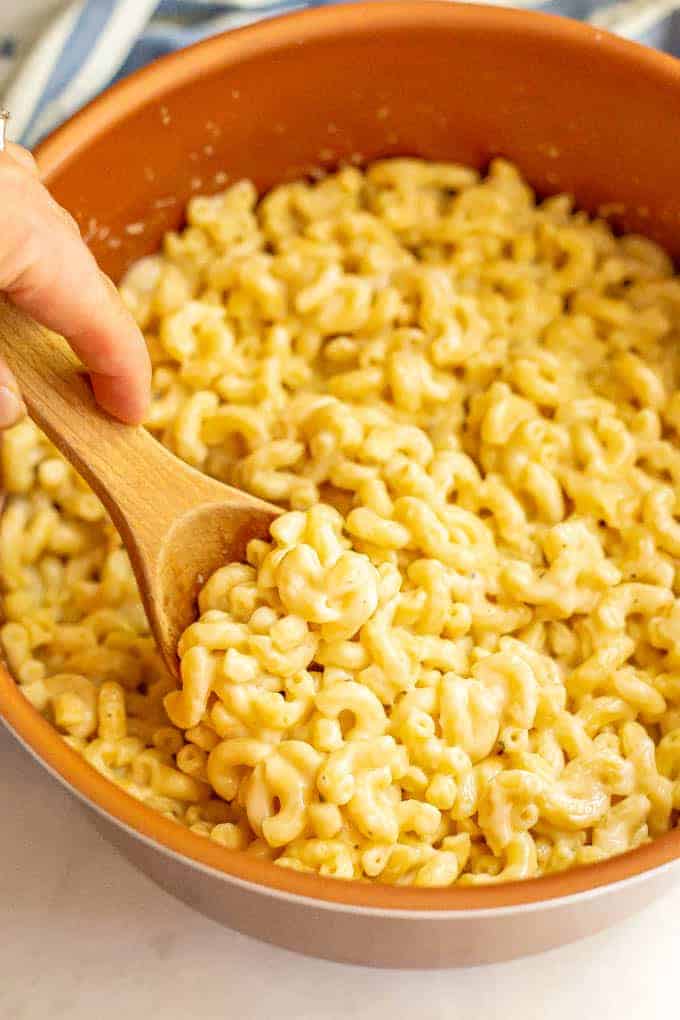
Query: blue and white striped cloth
(91, 43)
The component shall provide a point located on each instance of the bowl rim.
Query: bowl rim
(28, 725)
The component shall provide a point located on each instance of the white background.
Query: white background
(86, 937)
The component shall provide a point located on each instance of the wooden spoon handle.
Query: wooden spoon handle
(120, 462)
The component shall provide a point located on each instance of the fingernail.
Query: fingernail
(12, 407)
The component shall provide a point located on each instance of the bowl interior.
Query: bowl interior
(576, 109)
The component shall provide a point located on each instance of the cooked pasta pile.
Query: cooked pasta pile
(458, 658)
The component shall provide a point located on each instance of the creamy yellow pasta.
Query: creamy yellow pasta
(458, 658)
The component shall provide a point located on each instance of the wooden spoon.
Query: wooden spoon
(177, 524)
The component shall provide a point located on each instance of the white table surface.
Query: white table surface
(87, 937)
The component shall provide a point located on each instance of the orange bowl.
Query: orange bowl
(578, 111)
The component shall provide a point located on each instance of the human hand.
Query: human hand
(47, 270)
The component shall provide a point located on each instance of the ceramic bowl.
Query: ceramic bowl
(578, 111)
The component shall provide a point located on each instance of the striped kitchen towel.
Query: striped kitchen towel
(91, 43)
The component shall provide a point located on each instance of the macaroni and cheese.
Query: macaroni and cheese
(457, 660)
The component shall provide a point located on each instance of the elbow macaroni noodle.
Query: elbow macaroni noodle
(458, 657)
